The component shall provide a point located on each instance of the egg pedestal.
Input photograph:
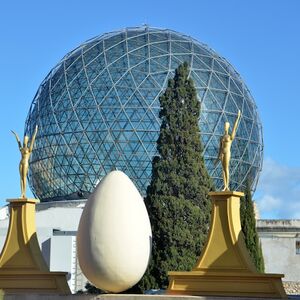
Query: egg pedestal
(225, 267)
(22, 266)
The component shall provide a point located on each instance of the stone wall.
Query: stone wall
(279, 240)
(292, 287)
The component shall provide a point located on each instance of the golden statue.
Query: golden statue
(24, 163)
(224, 150)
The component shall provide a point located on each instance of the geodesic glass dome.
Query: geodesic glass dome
(97, 110)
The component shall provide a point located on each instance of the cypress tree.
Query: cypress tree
(248, 225)
(177, 197)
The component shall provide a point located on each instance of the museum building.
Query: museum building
(98, 110)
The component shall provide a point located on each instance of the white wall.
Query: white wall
(63, 257)
(280, 257)
(56, 231)
(278, 239)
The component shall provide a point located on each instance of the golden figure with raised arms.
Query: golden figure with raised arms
(25, 155)
(225, 150)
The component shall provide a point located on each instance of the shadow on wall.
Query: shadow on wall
(46, 246)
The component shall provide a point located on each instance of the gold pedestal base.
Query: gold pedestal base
(242, 285)
(22, 266)
(225, 267)
(34, 282)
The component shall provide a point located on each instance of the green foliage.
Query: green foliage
(177, 197)
(2, 294)
(249, 229)
(91, 289)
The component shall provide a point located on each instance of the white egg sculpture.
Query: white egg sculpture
(114, 235)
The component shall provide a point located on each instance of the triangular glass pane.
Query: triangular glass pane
(178, 48)
(149, 83)
(113, 40)
(220, 125)
(111, 100)
(162, 63)
(91, 74)
(197, 63)
(201, 93)
(242, 129)
(136, 100)
(126, 81)
(154, 51)
(100, 92)
(135, 60)
(155, 37)
(92, 52)
(197, 80)
(163, 46)
(238, 101)
(124, 94)
(175, 62)
(184, 58)
(230, 105)
(115, 53)
(220, 67)
(203, 76)
(74, 70)
(210, 102)
(116, 72)
(199, 49)
(212, 120)
(137, 42)
(234, 88)
(220, 97)
(246, 111)
(159, 78)
(216, 83)
(187, 46)
(224, 79)
(86, 101)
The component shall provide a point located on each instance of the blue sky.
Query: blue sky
(259, 38)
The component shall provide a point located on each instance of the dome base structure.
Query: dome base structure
(22, 266)
(225, 267)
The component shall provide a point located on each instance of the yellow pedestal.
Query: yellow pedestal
(22, 266)
(225, 267)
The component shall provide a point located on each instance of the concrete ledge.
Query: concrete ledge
(124, 297)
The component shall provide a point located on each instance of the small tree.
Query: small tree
(248, 224)
(177, 197)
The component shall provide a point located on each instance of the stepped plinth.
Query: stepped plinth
(22, 266)
(225, 267)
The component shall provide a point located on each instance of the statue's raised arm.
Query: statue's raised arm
(235, 126)
(33, 138)
(18, 139)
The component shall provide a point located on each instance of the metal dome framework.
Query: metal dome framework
(97, 110)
